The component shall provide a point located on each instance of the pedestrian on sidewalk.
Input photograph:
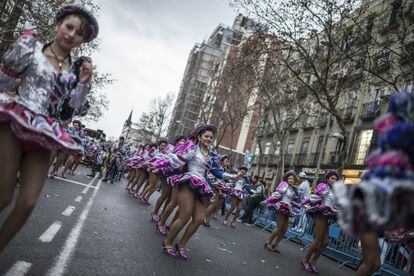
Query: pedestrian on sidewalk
(53, 89)
(257, 195)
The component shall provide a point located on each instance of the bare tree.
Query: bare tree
(153, 124)
(233, 91)
(314, 41)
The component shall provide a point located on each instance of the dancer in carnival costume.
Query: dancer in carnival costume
(322, 210)
(383, 203)
(73, 160)
(194, 193)
(180, 149)
(166, 189)
(237, 193)
(129, 162)
(221, 191)
(133, 163)
(154, 178)
(282, 202)
(53, 89)
(143, 174)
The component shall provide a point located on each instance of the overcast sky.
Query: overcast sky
(145, 46)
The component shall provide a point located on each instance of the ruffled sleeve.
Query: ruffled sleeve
(177, 159)
(321, 191)
(277, 195)
(17, 59)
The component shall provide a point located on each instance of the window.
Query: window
(305, 145)
(409, 86)
(392, 18)
(290, 146)
(277, 150)
(362, 146)
(257, 150)
(267, 148)
(319, 146)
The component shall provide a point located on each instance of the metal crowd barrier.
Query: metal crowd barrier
(343, 247)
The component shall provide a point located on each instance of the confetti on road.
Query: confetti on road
(224, 249)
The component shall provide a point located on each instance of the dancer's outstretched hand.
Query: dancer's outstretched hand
(85, 72)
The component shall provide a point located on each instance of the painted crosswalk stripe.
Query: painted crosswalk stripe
(20, 268)
(51, 232)
(68, 211)
(78, 199)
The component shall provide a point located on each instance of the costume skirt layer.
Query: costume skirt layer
(36, 130)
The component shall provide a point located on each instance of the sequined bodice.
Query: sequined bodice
(198, 164)
(288, 196)
(239, 185)
(329, 199)
(38, 81)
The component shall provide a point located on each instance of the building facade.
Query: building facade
(386, 67)
(199, 70)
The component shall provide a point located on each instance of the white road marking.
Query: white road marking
(78, 199)
(20, 268)
(79, 183)
(84, 191)
(68, 211)
(51, 232)
(63, 260)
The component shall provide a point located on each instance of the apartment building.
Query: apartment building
(199, 70)
(386, 33)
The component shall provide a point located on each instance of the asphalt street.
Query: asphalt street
(82, 226)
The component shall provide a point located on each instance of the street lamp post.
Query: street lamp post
(321, 152)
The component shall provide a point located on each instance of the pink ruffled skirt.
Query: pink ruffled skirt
(323, 210)
(237, 193)
(281, 207)
(34, 130)
(199, 186)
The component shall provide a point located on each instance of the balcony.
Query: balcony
(382, 62)
(370, 110)
(356, 74)
(308, 122)
(348, 114)
(295, 127)
(323, 120)
(362, 39)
